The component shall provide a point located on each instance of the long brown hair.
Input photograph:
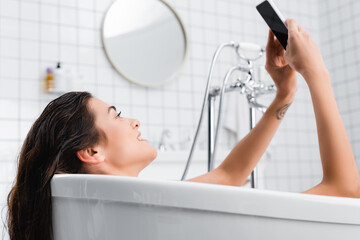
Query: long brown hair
(65, 126)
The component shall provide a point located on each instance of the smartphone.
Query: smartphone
(274, 20)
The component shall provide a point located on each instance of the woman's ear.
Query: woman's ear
(91, 155)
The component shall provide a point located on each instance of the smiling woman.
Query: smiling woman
(125, 152)
(77, 133)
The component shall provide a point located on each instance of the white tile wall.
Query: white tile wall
(35, 34)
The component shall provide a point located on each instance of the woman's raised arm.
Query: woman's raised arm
(340, 173)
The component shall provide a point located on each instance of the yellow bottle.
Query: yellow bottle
(49, 80)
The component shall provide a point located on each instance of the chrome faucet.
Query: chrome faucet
(166, 133)
(245, 85)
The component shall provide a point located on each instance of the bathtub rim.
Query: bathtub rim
(220, 198)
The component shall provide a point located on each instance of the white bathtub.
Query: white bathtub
(114, 207)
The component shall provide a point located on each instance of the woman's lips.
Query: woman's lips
(140, 138)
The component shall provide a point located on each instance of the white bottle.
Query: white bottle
(60, 79)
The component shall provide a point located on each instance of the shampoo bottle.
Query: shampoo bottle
(49, 80)
(60, 79)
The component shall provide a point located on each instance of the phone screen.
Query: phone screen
(275, 23)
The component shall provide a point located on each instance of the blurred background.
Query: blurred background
(36, 34)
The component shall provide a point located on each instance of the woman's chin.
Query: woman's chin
(154, 153)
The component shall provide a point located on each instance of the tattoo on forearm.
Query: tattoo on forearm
(280, 113)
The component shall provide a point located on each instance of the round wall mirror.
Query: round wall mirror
(144, 40)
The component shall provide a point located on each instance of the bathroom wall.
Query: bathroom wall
(35, 34)
(340, 43)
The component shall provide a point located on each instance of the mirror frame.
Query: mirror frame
(175, 74)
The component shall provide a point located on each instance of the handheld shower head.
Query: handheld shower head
(249, 47)
(252, 47)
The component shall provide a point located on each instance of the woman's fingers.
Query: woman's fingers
(292, 26)
(273, 45)
(302, 53)
(270, 46)
(271, 38)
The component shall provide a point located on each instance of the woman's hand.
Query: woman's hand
(302, 53)
(280, 71)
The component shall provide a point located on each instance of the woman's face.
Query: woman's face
(125, 152)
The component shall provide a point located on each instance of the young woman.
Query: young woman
(77, 133)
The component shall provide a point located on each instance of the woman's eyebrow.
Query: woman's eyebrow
(111, 107)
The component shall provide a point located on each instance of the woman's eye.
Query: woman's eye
(118, 115)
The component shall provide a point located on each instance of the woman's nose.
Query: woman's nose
(135, 123)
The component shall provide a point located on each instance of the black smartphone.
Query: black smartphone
(274, 20)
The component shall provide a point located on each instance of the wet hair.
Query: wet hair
(64, 127)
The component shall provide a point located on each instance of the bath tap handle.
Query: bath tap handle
(165, 133)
